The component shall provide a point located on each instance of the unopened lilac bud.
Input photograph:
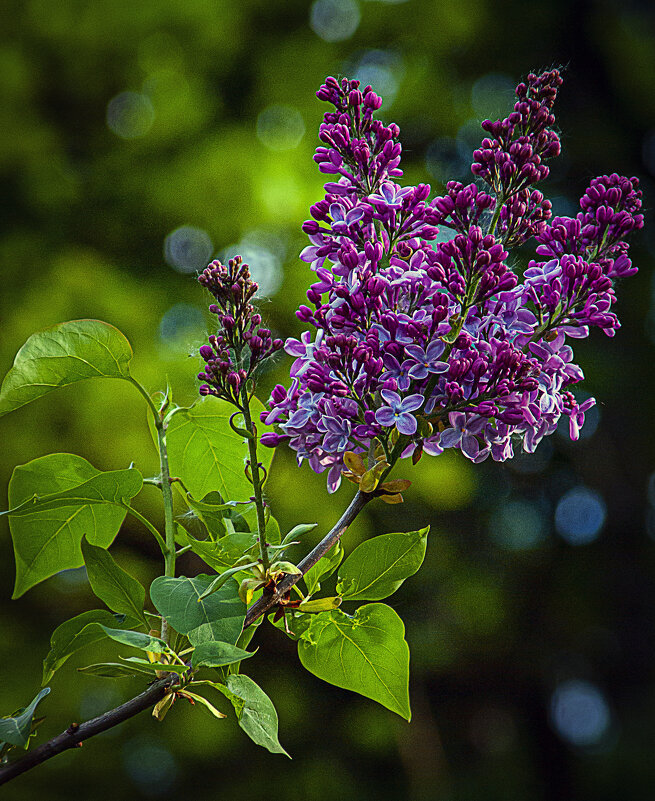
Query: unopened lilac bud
(271, 439)
(206, 352)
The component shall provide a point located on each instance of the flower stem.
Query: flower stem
(167, 546)
(256, 482)
(169, 522)
(494, 220)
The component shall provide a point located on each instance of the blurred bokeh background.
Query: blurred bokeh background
(140, 140)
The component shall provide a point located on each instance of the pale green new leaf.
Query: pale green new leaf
(207, 454)
(121, 592)
(135, 639)
(377, 567)
(74, 634)
(218, 617)
(223, 553)
(365, 653)
(54, 501)
(112, 670)
(16, 729)
(204, 702)
(61, 355)
(218, 654)
(254, 710)
(324, 568)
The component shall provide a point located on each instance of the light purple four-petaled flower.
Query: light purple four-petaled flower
(426, 359)
(463, 434)
(399, 411)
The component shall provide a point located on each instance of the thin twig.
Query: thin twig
(75, 735)
(262, 606)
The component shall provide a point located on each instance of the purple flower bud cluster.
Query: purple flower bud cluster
(241, 343)
(422, 345)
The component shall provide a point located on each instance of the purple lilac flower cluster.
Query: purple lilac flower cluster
(422, 345)
(241, 344)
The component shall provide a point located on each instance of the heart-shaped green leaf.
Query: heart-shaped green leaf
(207, 454)
(365, 653)
(54, 501)
(217, 617)
(61, 355)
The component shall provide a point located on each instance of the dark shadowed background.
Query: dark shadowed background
(140, 140)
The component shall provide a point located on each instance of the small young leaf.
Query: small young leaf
(286, 567)
(218, 582)
(161, 707)
(320, 604)
(293, 624)
(145, 666)
(219, 617)
(206, 454)
(297, 532)
(121, 592)
(16, 729)
(61, 355)
(248, 588)
(218, 654)
(255, 712)
(204, 702)
(136, 639)
(223, 553)
(377, 567)
(73, 499)
(111, 670)
(366, 653)
(74, 634)
(323, 568)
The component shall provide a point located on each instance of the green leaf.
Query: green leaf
(298, 531)
(62, 355)
(320, 604)
(135, 639)
(377, 567)
(146, 666)
(365, 653)
(255, 712)
(74, 634)
(218, 654)
(218, 617)
(54, 501)
(16, 730)
(207, 455)
(111, 670)
(213, 515)
(218, 582)
(223, 553)
(272, 531)
(296, 623)
(325, 567)
(204, 702)
(121, 592)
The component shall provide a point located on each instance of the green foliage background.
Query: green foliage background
(494, 626)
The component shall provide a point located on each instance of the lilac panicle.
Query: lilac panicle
(240, 343)
(417, 345)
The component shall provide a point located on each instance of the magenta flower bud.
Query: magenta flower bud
(206, 352)
(271, 440)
